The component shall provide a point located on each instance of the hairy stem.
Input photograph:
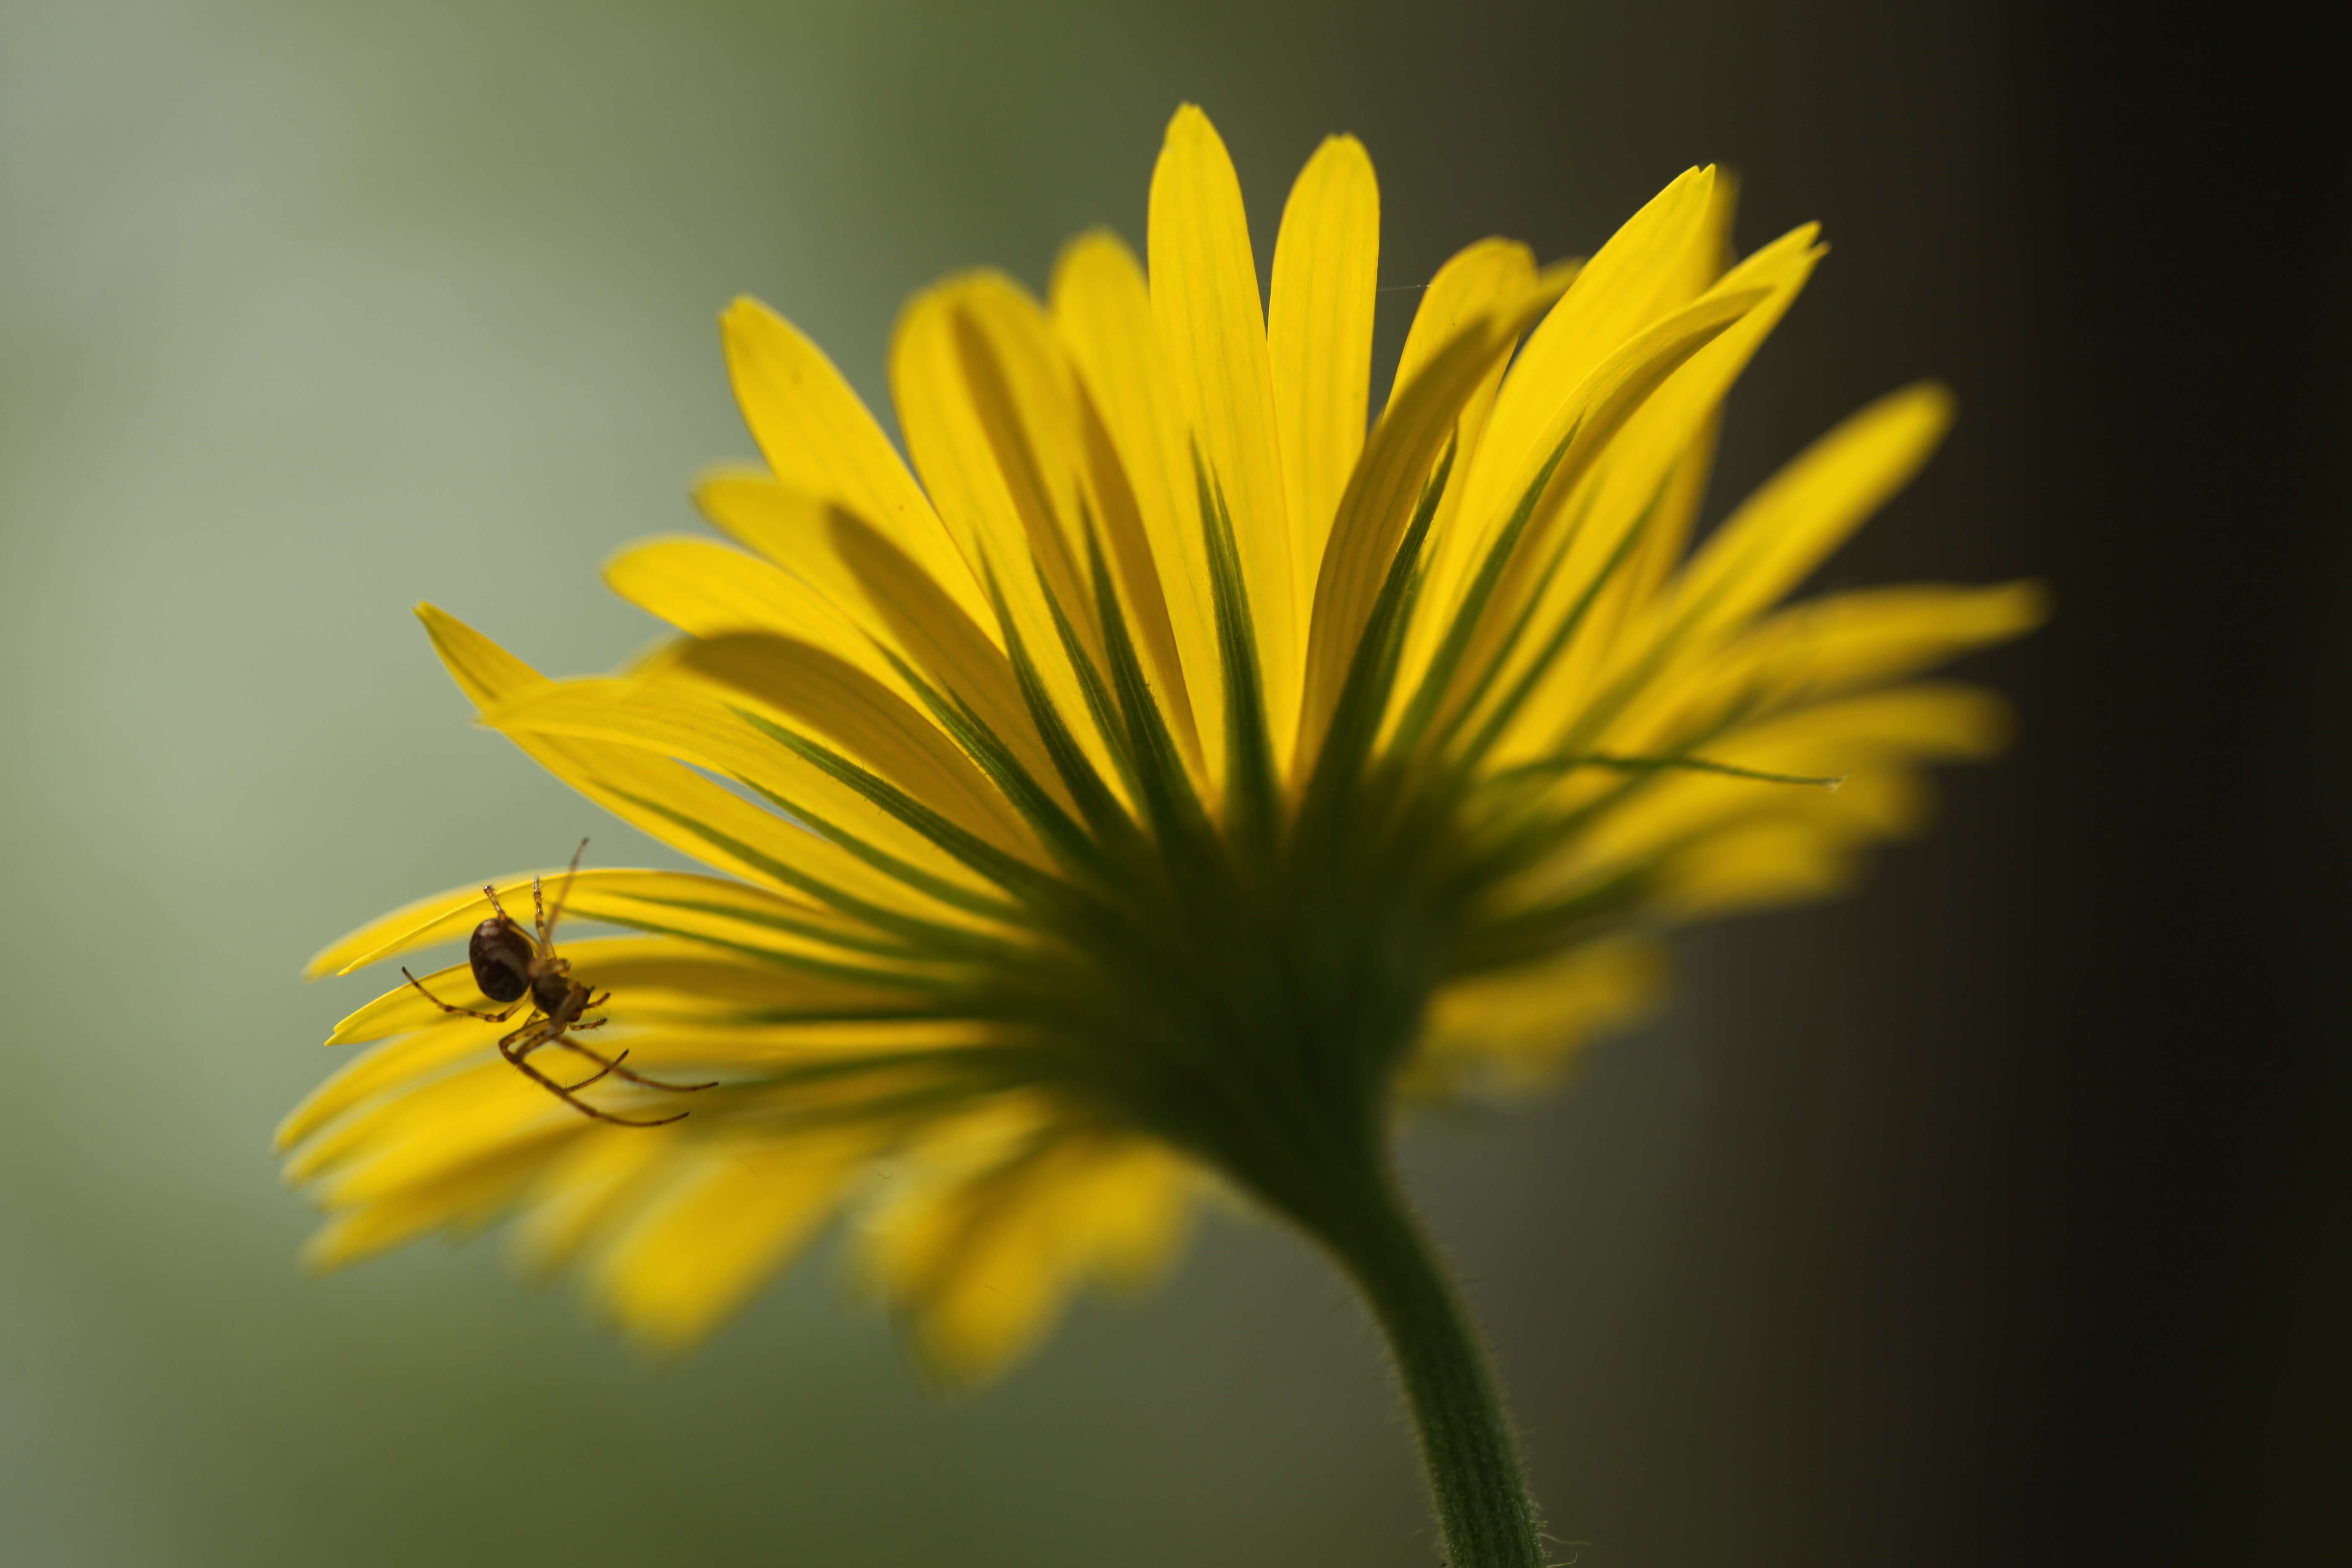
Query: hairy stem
(1482, 1507)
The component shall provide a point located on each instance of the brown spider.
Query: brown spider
(510, 967)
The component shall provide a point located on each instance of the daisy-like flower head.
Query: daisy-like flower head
(1172, 773)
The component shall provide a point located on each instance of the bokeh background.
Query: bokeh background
(1998, 1214)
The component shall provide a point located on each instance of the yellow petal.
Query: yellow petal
(501, 1116)
(652, 976)
(707, 590)
(1927, 719)
(1004, 469)
(671, 803)
(674, 721)
(963, 376)
(734, 1214)
(799, 531)
(1513, 1031)
(1875, 743)
(818, 437)
(464, 1199)
(749, 1052)
(863, 717)
(1629, 486)
(889, 597)
(484, 671)
(1062, 474)
(1762, 864)
(1583, 426)
(1204, 298)
(1128, 1214)
(1783, 530)
(1102, 312)
(394, 1065)
(1674, 432)
(982, 1260)
(402, 1009)
(426, 1128)
(1710, 263)
(1473, 283)
(681, 903)
(1631, 281)
(1823, 646)
(1381, 496)
(1666, 535)
(588, 1187)
(713, 1037)
(1319, 335)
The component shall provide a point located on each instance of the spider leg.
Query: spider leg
(533, 1022)
(555, 912)
(600, 1072)
(613, 1065)
(469, 1012)
(491, 892)
(538, 916)
(516, 1058)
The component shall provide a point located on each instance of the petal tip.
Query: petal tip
(326, 1253)
(1192, 133)
(1344, 144)
(741, 309)
(1932, 396)
(2030, 604)
(1088, 245)
(1933, 407)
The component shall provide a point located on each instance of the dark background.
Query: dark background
(2067, 1168)
(1999, 1213)
(2180, 1194)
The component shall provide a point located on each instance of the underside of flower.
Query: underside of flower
(1187, 772)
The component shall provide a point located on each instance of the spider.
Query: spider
(510, 967)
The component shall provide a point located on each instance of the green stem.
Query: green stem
(1482, 1507)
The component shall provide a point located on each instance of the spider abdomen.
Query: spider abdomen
(502, 956)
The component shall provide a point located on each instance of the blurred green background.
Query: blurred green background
(311, 311)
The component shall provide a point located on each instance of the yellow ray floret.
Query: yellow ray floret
(1174, 763)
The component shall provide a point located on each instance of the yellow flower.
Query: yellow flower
(1166, 778)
